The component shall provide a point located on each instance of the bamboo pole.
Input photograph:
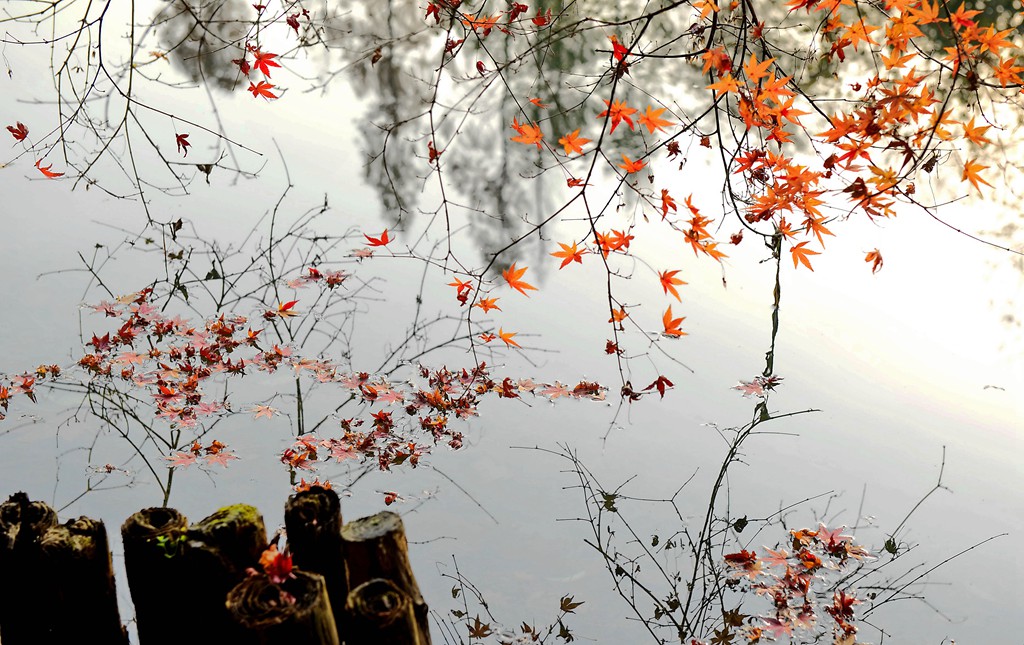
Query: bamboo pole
(76, 560)
(313, 521)
(218, 551)
(376, 547)
(179, 574)
(154, 541)
(23, 614)
(380, 612)
(296, 611)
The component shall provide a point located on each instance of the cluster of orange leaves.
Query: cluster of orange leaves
(869, 151)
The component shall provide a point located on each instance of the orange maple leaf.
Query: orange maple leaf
(573, 142)
(506, 337)
(483, 24)
(961, 18)
(383, 240)
(801, 255)
(262, 89)
(725, 85)
(46, 170)
(488, 303)
(618, 112)
(540, 103)
(754, 70)
(991, 40)
(462, 289)
(528, 134)
(785, 229)
(669, 282)
(672, 324)
(860, 32)
(707, 7)
(895, 59)
(569, 254)
(618, 315)
(631, 166)
(974, 134)
(614, 241)
(513, 277)
(1006, 72)
(711, 248)
(972, 170)
(461, 284)
(816, 225)
(652, 120)
(263, 411)
(874, 257)
(667, 202)
(718, 59)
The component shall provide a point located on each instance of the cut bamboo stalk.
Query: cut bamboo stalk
(380, 612)
(375, 547)
(313, 521)
(154, 547)
(296, 611)
(76, 559)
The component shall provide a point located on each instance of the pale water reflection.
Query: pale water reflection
(901, 365)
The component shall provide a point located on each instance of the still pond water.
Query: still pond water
(917, 364)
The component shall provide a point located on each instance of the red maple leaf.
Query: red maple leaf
(383, 240)
(660, 385)
(46, 170)
(100, 343)
(183, 144)
(243, 65)
(264, 61)
(19, 132)
(619, 51)
(277, 565)
(262, 89)
(542, 19)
